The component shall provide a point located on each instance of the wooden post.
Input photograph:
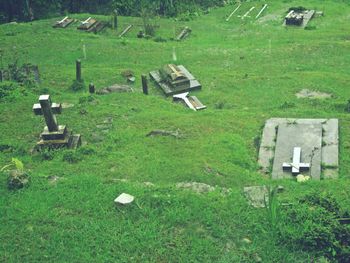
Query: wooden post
(1, 76)
(115, 20)
(91, 88)
(144, 84)
(78, 70)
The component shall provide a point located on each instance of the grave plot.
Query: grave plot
(290, 147)
(174, 79)
(298, 17)
(92, 25)
(54, 135)
(65, 22)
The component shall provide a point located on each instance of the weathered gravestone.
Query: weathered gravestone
(300, 146)
(298, 17)
(65, 22)
(175, 79)
(54, 135)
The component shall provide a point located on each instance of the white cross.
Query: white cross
(183, 96)
(296, 165)
(64, 19)
(86, 21)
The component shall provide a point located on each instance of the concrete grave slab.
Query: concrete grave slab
(317, 138)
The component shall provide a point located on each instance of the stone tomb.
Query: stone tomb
(54, 135)
(300, 146)
(175, 79)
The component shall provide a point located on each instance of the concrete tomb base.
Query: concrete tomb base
(300, 146)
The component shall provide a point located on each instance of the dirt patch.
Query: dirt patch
(310, 94)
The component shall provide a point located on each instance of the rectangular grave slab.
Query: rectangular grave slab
(306, 136)
(272, 139)
(169, 89)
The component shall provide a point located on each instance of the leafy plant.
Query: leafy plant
(14, 164)
(77, 85)
(272, 209)
(312, 226)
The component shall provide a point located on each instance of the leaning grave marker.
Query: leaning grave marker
(54, 135)
(292, 146)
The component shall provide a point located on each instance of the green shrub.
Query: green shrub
(312, 226)
(160, 39)
(72, 156)
(9, 91)
(77, 85)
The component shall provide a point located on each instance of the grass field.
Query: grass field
(250, 71)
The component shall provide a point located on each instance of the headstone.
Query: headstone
(257, 196)
(299, 17)
(300, 146)
(144, 84)
(54, 135)
(78, 70)
(124, 199)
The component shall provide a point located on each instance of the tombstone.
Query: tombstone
(144, 84)
(299, 17)
(65, 22)
(92, 25)
(54, 135)
(78, 70)
(290, 147)
(174, 79)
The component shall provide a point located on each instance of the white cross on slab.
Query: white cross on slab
(86, 21)
(296, 165)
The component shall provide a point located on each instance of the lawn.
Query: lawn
(250, 71)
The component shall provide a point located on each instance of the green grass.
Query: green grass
(252, 69)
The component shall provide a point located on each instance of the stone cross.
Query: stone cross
(296, 165)
(48, 109)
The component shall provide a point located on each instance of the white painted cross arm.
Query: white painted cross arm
(86, 21)
(64, 19)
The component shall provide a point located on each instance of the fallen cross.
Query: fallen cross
(54, 135)
(261, 11)
(248, 12)
(234, 11)
(125, 31)
(192, 102)
(296, 165)
(184, 33)
(65, 22)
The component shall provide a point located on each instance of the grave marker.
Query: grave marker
(54, 135)
(78, 70)
(296, 166)
(144, 84)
